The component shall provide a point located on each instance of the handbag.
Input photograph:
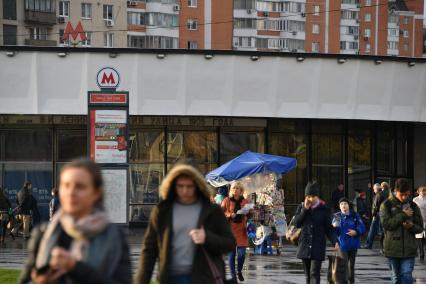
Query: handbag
(217, 276)
(337, 269)
(293, 233)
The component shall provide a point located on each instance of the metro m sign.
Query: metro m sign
(108, 78)
(78, 31)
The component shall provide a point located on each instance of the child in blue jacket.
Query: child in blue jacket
(349, 229)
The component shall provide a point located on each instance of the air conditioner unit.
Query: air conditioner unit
(248, 11)
(366, 38)
(266, 14)
(294, 33)
(303, 15)
(61, 20)
(401, 32)
(176, 8)
(109, 23)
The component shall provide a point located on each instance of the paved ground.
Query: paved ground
(371, 267)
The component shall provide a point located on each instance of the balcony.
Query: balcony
(40, 42)
(47, 18)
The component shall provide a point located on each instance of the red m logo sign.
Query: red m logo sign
(69, 30)
(108, 79)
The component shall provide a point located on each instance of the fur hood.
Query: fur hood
(184, 169)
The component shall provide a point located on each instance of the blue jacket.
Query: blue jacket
(352, 221)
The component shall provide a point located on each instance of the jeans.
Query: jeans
(240, 252)
(350, 257)
(402, 270)
(375, 228)
(180, 279)
(312, 271)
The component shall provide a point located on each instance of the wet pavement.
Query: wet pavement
(371, 266)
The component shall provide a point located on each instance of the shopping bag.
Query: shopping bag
(293, 233)
(337, 269)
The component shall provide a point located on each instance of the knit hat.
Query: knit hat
(344, 199)
(312, 189)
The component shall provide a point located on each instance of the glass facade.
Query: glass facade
(355, 153)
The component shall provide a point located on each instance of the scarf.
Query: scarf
(81, 231)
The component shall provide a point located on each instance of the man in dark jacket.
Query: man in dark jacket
(201, 233)
(380, 195)
(337, 194)
(401, 220)
(24, 200)
(314, 217)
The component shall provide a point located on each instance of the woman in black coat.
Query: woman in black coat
(314, 217)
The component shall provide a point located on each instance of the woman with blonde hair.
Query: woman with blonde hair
(234, 202)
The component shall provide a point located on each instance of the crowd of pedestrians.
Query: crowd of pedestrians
(190, 232)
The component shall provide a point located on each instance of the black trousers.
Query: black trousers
(421, 246)
(350, 257)
(312, 271)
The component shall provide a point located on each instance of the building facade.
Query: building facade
(370, 27)
(370, 127)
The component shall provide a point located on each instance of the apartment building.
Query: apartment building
(43, 22)
(370, 27)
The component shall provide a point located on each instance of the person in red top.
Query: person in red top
(238, 222)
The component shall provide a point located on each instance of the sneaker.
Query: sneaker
(240, 277)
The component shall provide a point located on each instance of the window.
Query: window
(108, 12)
(161, 19)
(86, 10)
(244, 4)
(64, 8)
(367, 33)
(392, 45)
(367, 2)
(367, 47)
(192, 3)
(245, 23)
(108, 40)
(233, 144)
(38, 33)
(192, 45)
(244, 42)
(367, 17)
(61, 41)
(88, 41)
(9, 9)
(406, 33)
(9, 35)
(135, 18)
(152, 42)
(343, 45)
(315, 28)
(405, 21)
(37, 146)
(315, 47)
(191, 24)
(40, 5)
(349, 15)
(316, 10)
(392, 32)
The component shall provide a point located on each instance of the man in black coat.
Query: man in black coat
(337, 194)
(314, 217)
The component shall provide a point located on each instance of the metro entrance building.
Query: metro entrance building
(352, 120)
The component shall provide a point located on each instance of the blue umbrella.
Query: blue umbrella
(250, 163)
